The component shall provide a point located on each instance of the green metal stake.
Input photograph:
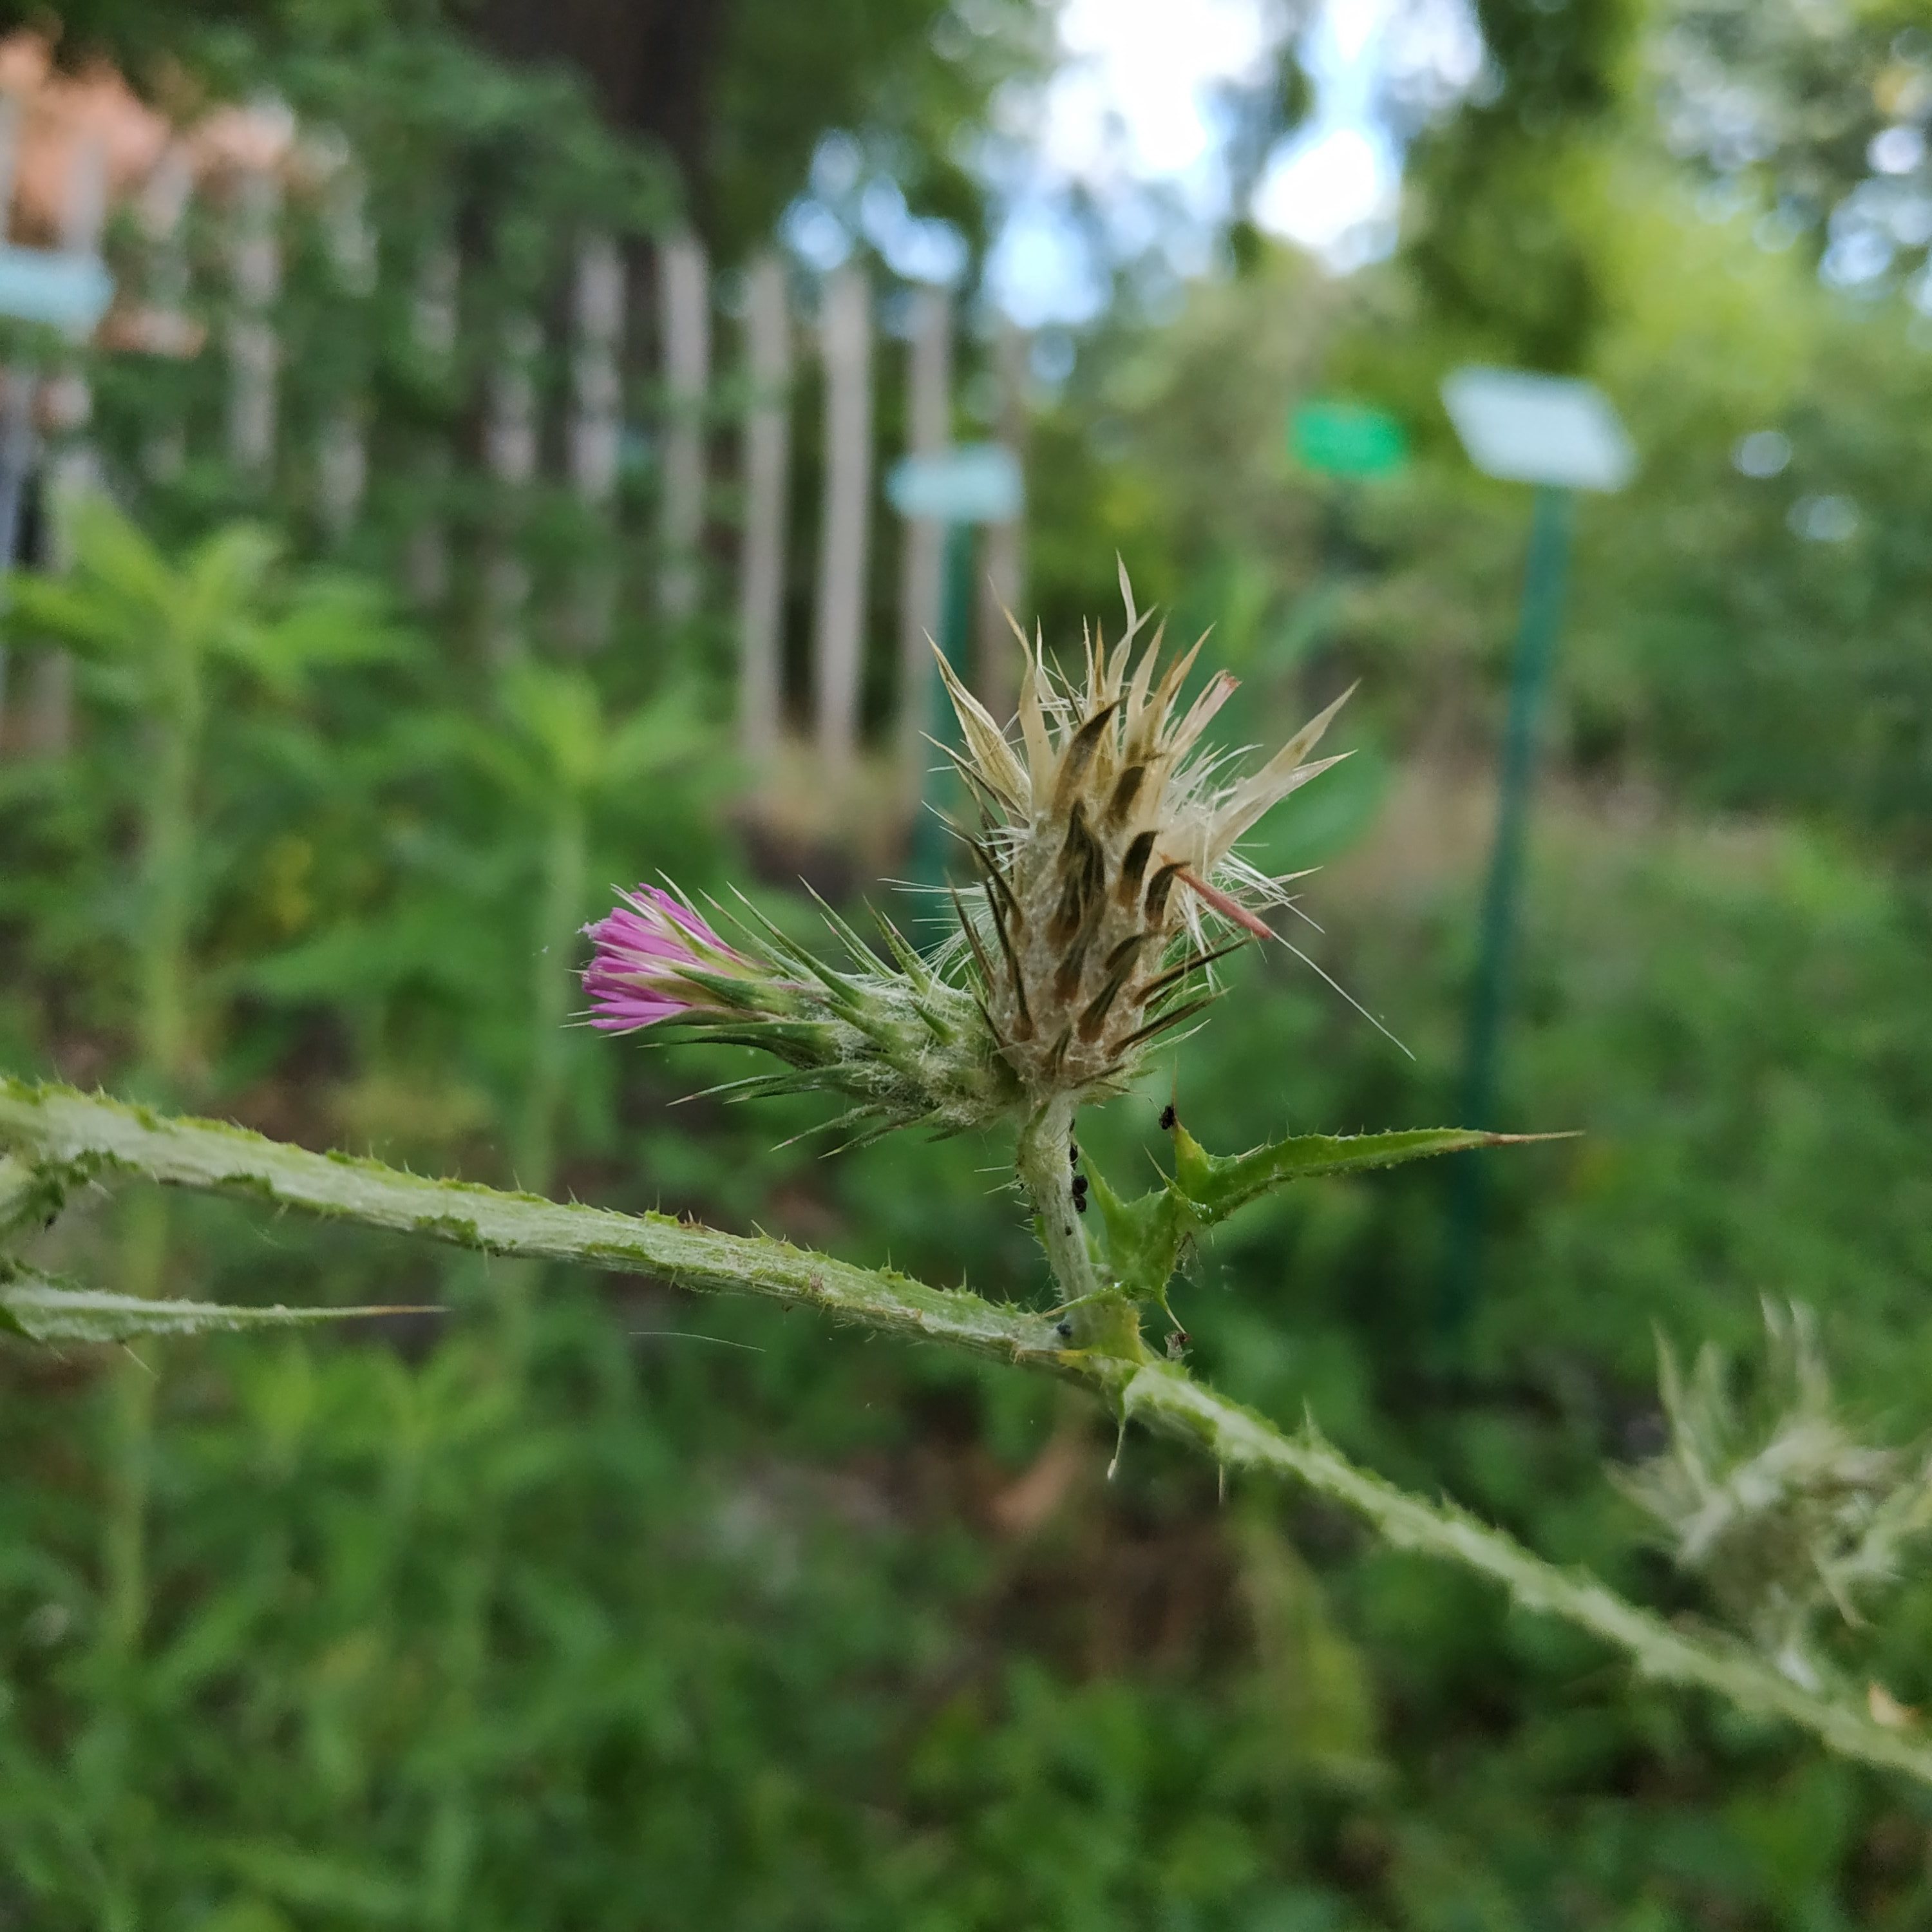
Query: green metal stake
(955, 621)
(1536, 646)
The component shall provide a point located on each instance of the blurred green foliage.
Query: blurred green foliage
(632, 1611)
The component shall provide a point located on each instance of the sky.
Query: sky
(1134, 120)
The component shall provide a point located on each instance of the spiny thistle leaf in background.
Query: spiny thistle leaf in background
(1108, 861)
(1774, 1501)
(42, 1311)
(905, 1046)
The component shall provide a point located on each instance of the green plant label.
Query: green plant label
(1346, 439)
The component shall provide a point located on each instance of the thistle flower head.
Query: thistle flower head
(647, 951)
(1775, 1502)
(903, 1046)
(1108, 857)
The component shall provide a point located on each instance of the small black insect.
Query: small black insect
(1079, 1187)
(1073, 1153)
(1079, 1203)
(1064, 1329)
(1168, 1117)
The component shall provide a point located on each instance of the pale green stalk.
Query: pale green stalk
(167, 870)
(165, 1051)
(448, 1852)
(163, 1033)
(55, 1128)
(1097, 1316)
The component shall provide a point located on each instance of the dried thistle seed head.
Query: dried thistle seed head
(1774, 1501)
(1108, 868)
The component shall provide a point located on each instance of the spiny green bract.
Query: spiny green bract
(905, 1047)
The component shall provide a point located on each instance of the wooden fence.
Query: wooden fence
(614, 457)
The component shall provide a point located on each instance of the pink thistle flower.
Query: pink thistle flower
(645, 949)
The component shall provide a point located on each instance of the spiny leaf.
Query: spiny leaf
(1215, 1185)
(1144, 1235)
(30, 1197)
(43, 1313)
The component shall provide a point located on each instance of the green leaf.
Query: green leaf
(1215, 1185)
(115, 556)
(319, 1883)
(79, 618)
(223, 577)
(332, 621)
(558, 713)
(30, 1197)
(671, 731)
(43, 1313)
(1144, 1235)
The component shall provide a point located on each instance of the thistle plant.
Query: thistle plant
(1773, 1500)
(1109, 882)
(1109, 886)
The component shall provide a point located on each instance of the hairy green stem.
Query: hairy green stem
(55, 1126)
(1097, 1315)
(1043, 1158)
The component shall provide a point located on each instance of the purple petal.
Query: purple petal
(663, 910)
(641, 947)
(624, 934)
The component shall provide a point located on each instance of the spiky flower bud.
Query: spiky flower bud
(1774, 1503)
(905, 1047)
(1108, 858)
(654, 956)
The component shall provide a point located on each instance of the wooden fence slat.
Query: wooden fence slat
(11, 116)
(341, 471)
(684, 312)
(596, 420)
(254, 352)
(929, 429)
(845, 344)
(1003, 568)
(767, 461)
(342, 458)
(17, 402)
(510, 451)
(600, 319)
(71, 470)
(19, 385)
(433, 324)
(162, 213)
(433, 315)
